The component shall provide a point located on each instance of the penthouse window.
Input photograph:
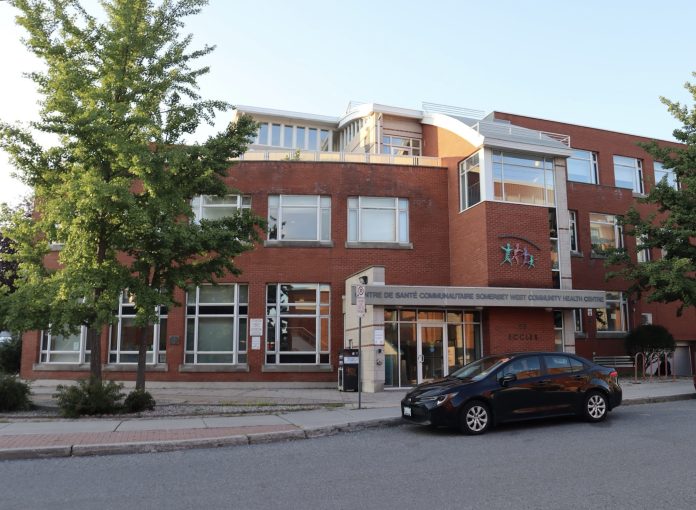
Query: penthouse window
(124, 335)
(666, 175)
(524, 179)
(582, 167)
(378, 220)
(401, 146)
(628, 173)
(605, 233)
(297, 323)
(469, 182)
(299, 218)
(614, 316)
(290, 136)
(207, 207)
(216, 324)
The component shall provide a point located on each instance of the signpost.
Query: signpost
(360, 303)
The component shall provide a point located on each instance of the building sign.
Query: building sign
(255, 327)
(518, 253)
(406, 295)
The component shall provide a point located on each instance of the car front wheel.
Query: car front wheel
(596, 407)
(475, 418)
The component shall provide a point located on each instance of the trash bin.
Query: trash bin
(348, 370)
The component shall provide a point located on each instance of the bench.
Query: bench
(615, 361)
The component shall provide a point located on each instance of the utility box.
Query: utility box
(348, 360)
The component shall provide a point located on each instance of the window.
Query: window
(574, 231)
(289, 136)
(614, 316)
(469, 182)
(378, 220)
(582, 167)
(665, 174)
(642, 254)
(207, 207)
(577, 320)
(628, 173)
(556, 365)
(297, 323)
(216, 324)
(401, 146)
(558, 329)
(123, 338)
(299, 218)
(605, 233)
(553, 239)
(523, 368)
(524, 179)
(66, 348)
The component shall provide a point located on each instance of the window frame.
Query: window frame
(638, 184)
(666, 174)
(277, 309)
(592, 165)
(501, 184)
(409, 146)
(356, 218)
(621, 304)
(82, 352)
(618, 241)
(158, 353)
(198, 205)
(573, 226)
(470, 165)
(322, 224)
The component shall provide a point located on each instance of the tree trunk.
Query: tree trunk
(142, 354)
(95, 364)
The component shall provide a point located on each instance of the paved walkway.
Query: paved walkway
(37, 438)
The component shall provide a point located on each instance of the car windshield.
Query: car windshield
(479, 369)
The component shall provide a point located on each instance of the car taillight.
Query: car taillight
(614, 376)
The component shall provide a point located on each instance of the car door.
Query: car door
(563, 383)
(519, 394)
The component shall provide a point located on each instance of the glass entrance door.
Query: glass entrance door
(432, 362)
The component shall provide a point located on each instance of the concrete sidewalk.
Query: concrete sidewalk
(33, 438)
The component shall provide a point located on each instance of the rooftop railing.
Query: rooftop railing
(339, 157)
(509, 129)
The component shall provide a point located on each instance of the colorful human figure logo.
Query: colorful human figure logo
(507, 249)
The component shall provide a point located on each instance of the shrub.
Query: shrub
(649, 338)
(89, 397)
(137, 401)
(14, 394)
(10, 356)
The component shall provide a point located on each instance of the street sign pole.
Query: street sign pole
(360, 304)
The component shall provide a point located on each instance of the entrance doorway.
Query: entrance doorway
(431, 352)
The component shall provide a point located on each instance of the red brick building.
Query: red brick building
(471, 235)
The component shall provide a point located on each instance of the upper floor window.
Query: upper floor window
(469, 182)
(642, 253)
(522, 178)
(574, 246)
(291, 136)
(665, 174)
(209, 207)
(628, 173)
(401, 146)
(605, 233)
(582, 167)
(377, 220)
(299, 218)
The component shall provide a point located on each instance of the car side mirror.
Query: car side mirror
(507, 379)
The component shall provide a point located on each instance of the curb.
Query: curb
(657, 400)
(86, 450)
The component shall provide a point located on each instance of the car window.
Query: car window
(576, 365)
(557, 364)
(523, 368)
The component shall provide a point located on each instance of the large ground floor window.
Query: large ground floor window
(124, 336)
(216, 324)
(297, 323)
(66, 348)
(423, 344)
(614, 316)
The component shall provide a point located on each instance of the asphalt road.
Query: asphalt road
(643, 456)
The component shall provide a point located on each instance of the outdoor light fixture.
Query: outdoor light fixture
(363, 280)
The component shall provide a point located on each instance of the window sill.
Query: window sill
(298, 244)
(133, 367)
(612, 334)
(639, 195)
(297, 368)
(60, 367)
(380, 246)
(577, 254)
(212, 367)
(580, 334)
(597, 256)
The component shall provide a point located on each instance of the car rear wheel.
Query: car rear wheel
(596, 407)
(475, 418)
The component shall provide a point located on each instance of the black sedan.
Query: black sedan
(512, 387)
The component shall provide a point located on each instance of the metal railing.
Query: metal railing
(339, 157)
(509, 129)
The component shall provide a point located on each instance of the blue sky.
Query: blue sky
(596, 63)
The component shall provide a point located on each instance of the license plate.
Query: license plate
(407, 411)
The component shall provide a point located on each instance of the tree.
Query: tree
(116, 192)
(671, 227)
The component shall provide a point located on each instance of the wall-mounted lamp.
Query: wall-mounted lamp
(363, 280)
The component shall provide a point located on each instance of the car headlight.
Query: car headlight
(441, 399)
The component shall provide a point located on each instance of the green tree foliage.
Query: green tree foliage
(672, 227)
(649, 338)
(121, 97)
